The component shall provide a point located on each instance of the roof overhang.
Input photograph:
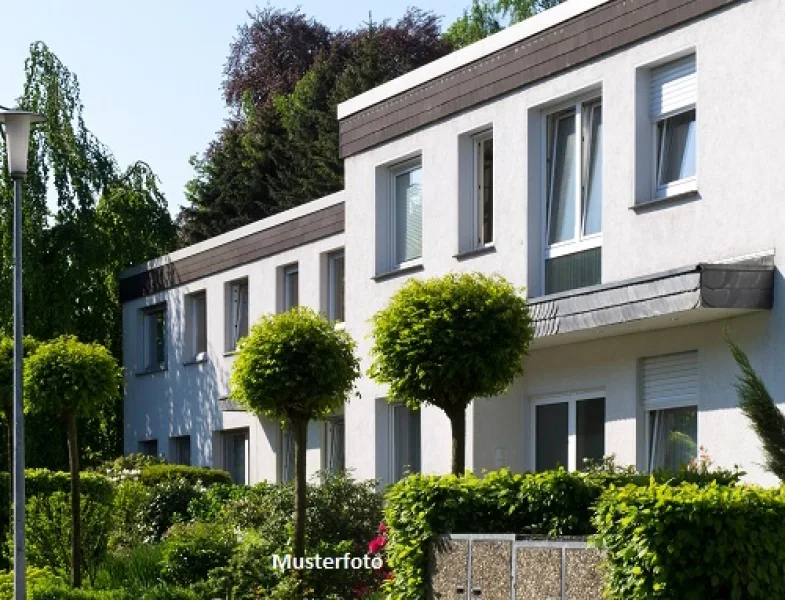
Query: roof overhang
(704, 292)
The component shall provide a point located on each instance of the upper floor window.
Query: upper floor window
(197, 325)
(483, 189)
(154, 338)
(291, 287)
(335, 286)
(673, 113)
(574, 197)
(407, 212)
(236, 313)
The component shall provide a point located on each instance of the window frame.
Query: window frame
(231, 343)
(227, 451)
(391, 436)
(478, 187)
(329, 437)
(571, 399)
(332, 311)
(285, 463)
(176, 454)
(680, 186)
(196, 355)
(148, 365)
(142, 446)
(286, 273)
(395, 171)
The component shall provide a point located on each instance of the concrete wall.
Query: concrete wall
(738, 211)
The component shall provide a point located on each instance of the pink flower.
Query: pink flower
(377, 544)
(382, 529)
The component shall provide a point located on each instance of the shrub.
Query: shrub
(48, 532)
(36, 577)
(129, 466)
(42, 482)
(130, 506)
(63, 592)
(156, 474)
(692, 542)
(167, 505)
(550, 503)
(138, 568)
(191, 550)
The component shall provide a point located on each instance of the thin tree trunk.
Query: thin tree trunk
(76, 522)
(300, 429)
(457, 418)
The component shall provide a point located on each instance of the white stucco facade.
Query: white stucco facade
(736, 211)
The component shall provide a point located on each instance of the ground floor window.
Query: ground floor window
(404, 442)
(334, 445)
(148, 447)
(235, 454)
(670, 388)
(180, 450)
(285, 455)
(673, 437)
(568, 431)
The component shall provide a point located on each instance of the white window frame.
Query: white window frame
(332, 285)
(286, 273)
(579, 242)
(571, 399)
(395, 171)
(193, 326)
(148, 364)
(681, 186)
(391, 435)
(233, 319)
(478, 183)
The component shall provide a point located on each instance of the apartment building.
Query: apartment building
(618, 159)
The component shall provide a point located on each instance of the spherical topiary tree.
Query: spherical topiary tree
(7, 392)
(294, 367)
(67, 378)
(447, 340)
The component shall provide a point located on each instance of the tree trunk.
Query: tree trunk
(76, 522)
(300, 430)
(457, 418)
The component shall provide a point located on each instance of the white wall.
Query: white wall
(184, 399)
(739, 211)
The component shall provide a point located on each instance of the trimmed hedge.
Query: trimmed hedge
(550, 503)
(693, 543)
(63, 592)
(156, 474)
(40, 482)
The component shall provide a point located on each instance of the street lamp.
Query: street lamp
(17, 142)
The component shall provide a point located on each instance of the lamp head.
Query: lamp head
(17, 137)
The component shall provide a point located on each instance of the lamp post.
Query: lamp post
(17, 139)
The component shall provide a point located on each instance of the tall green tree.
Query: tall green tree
(448, 340)
(295, 367)
(65, 378)
(766, 418)
(80, 211)
(478, 21)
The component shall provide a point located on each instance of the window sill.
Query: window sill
(231, 353)
(398, 271)
(675, 198)
(196, 361)
(152, 371)
(479, 251)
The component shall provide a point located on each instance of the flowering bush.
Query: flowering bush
(376, 548)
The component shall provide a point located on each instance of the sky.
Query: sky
(150, 72)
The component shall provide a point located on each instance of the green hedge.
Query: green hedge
(693, 543)
(44, 482)
(155, 474)
(552, 503)
(63, 592)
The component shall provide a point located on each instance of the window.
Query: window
(483, 189)
(148, 447)
(154, 338)
(237, 313)
(404, 441)
(285, 455)
(335, 286)
(291, 287)
(673, 114)
(180, 449)
(334, 450)
(574, 197)
(670, 400)
(235, 446)
(568, 431)
(407, 213)
(197, 325)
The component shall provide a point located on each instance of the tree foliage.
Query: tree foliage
(447, 340)
(295, 367)
(478, 21)
(765, 416)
